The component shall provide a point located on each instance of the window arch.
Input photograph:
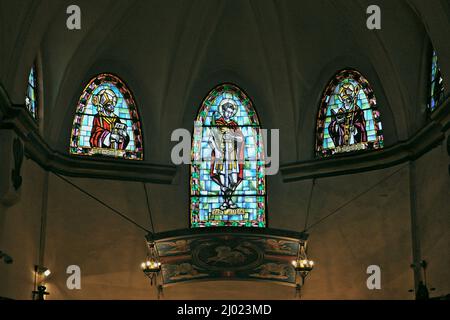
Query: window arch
(227, 184)
(436, 84)
(31, 97)
(106, 121)
(348, 118)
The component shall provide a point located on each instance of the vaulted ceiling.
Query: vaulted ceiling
(171, 53)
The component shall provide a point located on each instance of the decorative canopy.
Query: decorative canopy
(223, 253)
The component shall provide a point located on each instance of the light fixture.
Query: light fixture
(39, 291)
(421, 291)
(42, 271)
(152, 266)
(302, 266)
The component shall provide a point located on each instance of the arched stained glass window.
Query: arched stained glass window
(107, 121)
(348, 117)
(436, 85)
(227, 185)
(31, 97)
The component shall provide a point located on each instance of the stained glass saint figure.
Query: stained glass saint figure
(227, 156)
(348, 125)
(107, 130)
(348, 118)
(227, 185)
(106, 121)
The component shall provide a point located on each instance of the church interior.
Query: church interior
(224, 149)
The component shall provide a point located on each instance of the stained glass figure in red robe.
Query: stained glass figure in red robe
(227, 155)
(348, 125)
(107, 129)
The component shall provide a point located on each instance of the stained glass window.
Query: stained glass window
(227, 185)
(348, 119)
(437, 84)
(31, 97)
(107, 121)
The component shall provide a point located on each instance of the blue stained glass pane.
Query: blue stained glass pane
(349, 109)
(31, 93)
(436, 85)
(108, 127)
(226, 147)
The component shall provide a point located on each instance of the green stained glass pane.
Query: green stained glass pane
(106, 110)
(31, 101)
(436, 84)
(219, 202)
(347, 127)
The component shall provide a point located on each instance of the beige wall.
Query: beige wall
(373, 229)
(20, 234)
(433, 210)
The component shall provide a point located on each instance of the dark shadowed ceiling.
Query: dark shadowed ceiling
(171, 53)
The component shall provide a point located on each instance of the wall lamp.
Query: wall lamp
(302, 266)
(152, 265)
(39, 291)
(42, 271)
